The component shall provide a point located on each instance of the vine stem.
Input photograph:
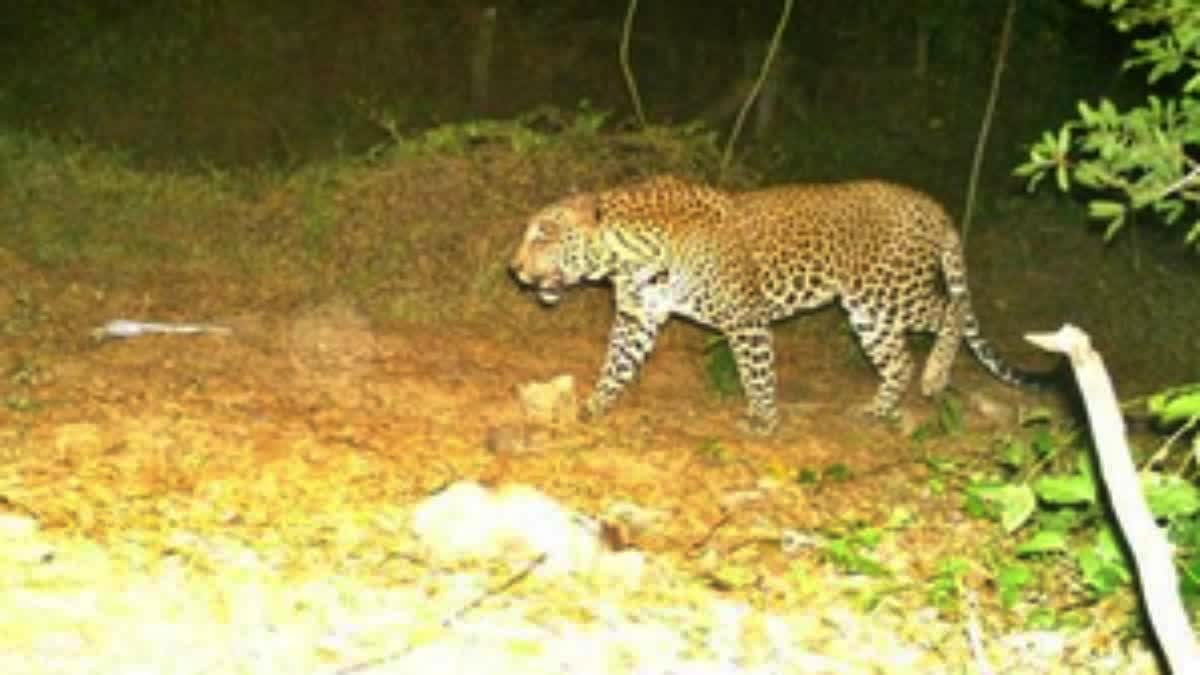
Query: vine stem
(757, 86)
(630, 80)
(989, 112)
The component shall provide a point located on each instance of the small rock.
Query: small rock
(506, 439)
(454, 524)
(467, 522)
(551, 404)
(15, 527)
(907, 423)
(534, 524)
(994, 411)
(19, 541)
(623, 569)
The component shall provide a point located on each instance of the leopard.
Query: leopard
(740, 261)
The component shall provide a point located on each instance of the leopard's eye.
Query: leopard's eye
(546, 230)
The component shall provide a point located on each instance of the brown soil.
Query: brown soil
(426, 404)
(323, 390)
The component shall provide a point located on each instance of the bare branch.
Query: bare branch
(986, 127)
(758, 84)
(630, 81)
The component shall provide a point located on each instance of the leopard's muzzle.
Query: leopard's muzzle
(548, 287)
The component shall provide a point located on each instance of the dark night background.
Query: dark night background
(864, 88)
(235, 83)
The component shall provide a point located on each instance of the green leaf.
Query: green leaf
(1062, 520)
(1105, 544)
(1085, 113)
(1036, 179)
(1018, 505)
(1011, 581)
(1175, 405)
(1169, 496)
(1103, 565)
(1043, 441)
(848, 556)
(1028, 168)
(1015, 504)
(1101, 209)
(1015, 454)
(1045, 541)
(1083, 465)
(1113, 227)
(720, 368)
(1062, 144)
(1069, 489)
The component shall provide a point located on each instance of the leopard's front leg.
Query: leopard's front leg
(755, 357)
(631, 339)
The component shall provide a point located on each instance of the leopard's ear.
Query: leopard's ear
(586, 208)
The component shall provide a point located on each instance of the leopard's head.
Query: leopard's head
(555, 251)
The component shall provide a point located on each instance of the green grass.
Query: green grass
(418, 229)
(67, 203)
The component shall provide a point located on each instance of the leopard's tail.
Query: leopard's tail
(982, 348)
(954, 272)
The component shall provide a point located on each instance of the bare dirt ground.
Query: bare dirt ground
(240, 503)
(304, 417)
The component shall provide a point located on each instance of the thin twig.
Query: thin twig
(630, 81)
(1185, 180)
(1161, 454)
(986, 127)
(975, 632)
(516, 578)
(757, 86)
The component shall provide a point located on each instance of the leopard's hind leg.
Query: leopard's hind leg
(936, 374)
(883, 341)
(755, 357)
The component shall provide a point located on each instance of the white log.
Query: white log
(1152, 553)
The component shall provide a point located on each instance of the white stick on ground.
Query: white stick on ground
(1151, 550)
(125, 328)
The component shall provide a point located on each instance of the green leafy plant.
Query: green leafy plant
(1138, 158)
(24, 313)
(589, 120)
(1050, 500)
(720, 368)
(948, 422)
(853, 552)
(713, 451)
(1011, 581)
(945, 588)
(1176, 405)
(836, 473)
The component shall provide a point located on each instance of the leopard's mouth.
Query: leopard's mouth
(548, 287)
(550, 290)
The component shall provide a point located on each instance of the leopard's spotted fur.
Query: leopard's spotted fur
(739, 261)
